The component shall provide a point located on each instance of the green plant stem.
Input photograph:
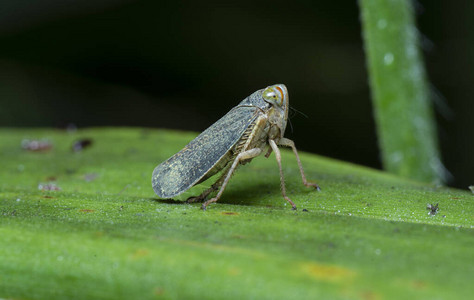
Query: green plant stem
(400, 93)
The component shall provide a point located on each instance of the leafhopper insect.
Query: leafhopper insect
(255, 125)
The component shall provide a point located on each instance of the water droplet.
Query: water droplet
(411, 50)
(382, 23)
(388, 58)
(396, 157)
(378, 251)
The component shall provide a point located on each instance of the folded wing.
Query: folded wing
(187, 167)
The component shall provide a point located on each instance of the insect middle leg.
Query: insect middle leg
(282, 178)
(249, 154)
(289, 143)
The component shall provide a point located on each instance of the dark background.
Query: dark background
(183, 64)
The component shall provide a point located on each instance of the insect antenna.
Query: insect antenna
(297, 111)
(291, 125)
(294, 112)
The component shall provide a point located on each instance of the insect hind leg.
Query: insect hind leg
(214, 187)
(249, 154)
(201, 197)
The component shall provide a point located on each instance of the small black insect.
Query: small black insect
(433, 209)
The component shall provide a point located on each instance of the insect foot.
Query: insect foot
(205, 204)
(310, 184)
(293, 205)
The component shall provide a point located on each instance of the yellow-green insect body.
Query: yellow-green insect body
(255, 125)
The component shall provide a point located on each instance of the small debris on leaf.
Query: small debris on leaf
(36, 145)
(433, 209)
(48, 187)
(90, 177)
(229, 213)
(81, 144)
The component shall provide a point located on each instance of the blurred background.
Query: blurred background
(184, 64)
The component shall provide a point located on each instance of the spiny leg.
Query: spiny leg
(289, 143)
(282, 179)
(241, 156)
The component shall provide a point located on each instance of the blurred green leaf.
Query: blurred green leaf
(104, 234)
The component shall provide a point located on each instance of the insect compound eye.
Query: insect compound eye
(273, 96)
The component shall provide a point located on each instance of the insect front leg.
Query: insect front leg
(289, 143)
(249, 154)
(282, 178)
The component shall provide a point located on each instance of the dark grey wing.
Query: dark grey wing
(187, 167)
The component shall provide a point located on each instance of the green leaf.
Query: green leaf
(104, 234)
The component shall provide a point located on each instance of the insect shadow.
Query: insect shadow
(168, 201)
(246, 195)
(250, 193)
